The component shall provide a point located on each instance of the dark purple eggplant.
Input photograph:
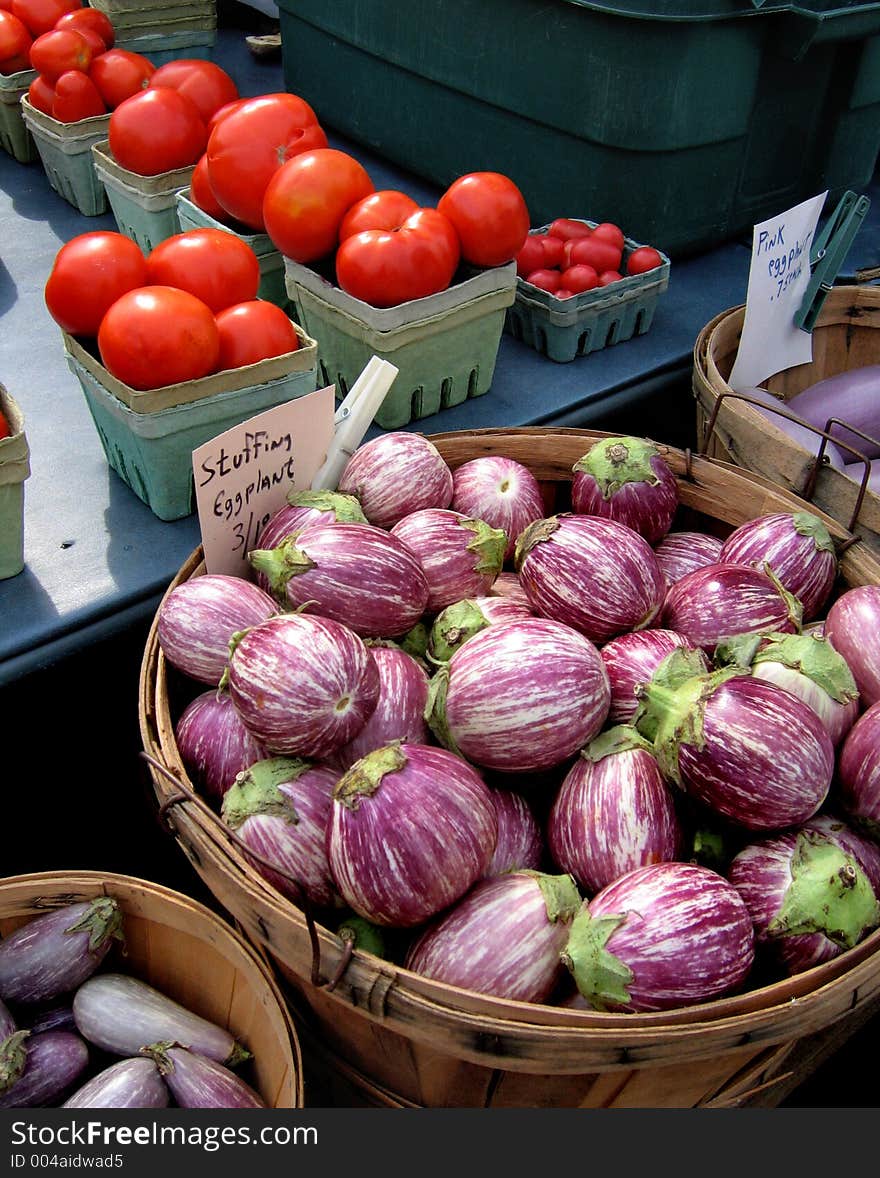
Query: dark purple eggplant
(195, 1081)
(56, 1016)
(8, 1025)
(130, 1083)
(37, 1070)
(53, 954)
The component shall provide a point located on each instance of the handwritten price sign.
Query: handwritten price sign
(778, 280)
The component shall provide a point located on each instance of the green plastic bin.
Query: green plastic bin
(15, 138)
(273, 287)
(149, 440)
(688, 122)
(14, 469)
(145, 207)
(444, 346)
(66, 153)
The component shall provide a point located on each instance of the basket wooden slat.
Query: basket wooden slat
(431, 1044)
(189, 953)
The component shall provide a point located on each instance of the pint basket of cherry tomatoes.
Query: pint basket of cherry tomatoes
(582, 286)
(14, 469)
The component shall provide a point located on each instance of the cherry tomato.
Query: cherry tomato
(545, 279)
(42, 15)
(385, 267)
(609, 276)
(215, 266)
(553, 249)
(202, 194)
(119, 73)
(158, 335)
(610, 232)
(578, 278)
(645, 257)
(247, 147)
(530, 255)
(156, 131)
(307, 198)
(89, 18)
(41, 94)
(206, 83)
(490, 216)
(567, 227)
(593, 251)
(88, 275)
(252, 331)
(15, 38)
(386, 209)
(76, 97)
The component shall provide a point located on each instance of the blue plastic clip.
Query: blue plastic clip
(830, 248)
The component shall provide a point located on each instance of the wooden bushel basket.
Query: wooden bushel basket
(189, 953)
(846, 336)
(402, 1039)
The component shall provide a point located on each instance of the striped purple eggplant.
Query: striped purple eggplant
(631, 659)
(303, 685)
(798, 548)
(400, 711)
(747, 749)
(280, 808)
(197, 1081)
(857, 785)
(121, 1014)
(597, 575)
(660, 937)
(809, 899)
(395, 474)
(198, 618)
(504, 938)
(36, 1071)
(507, 585)
(460, 621)
(520, 842)
(52, 1016)
(626, 479)
(613, 812)
(681, 552)
(520, 696)
(460, 557)
(309, 507)
(499, 490)
(718, 601)
(54, 953)
(852, 626)
(808, 666)
(214, 743)
(130, 1083)
(357, 574)
(411, 829)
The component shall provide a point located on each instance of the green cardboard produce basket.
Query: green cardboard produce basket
(14, 469)
(444, 346)
(66, 152)
(15, 138)
(273, 287)
(148, 436)
(145, 207)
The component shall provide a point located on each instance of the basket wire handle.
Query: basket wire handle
(825, 437)
(188, 795)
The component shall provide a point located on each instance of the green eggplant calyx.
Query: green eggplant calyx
(620, 738)
(453, 626)
(435, 709)
(346, 508)
(13, 1057)
(280, 564)
(561, 896)
(532, 534)
(256, 791)
(614, 462)
(362, 934)
(815, 657)
(792, 604)
(488, 545)
(807, 524)
(365, 776)
(102, 920)
(601, 978)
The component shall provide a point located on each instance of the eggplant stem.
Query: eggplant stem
(189, 795)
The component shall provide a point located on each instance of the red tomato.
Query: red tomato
(119, 73)
(593, 251)
(5, 431)
(76, 97)
(158, 335)
(567, 227)
(202, 194)
(89, 273)
(645, 257)
(15, 39)
(89, 18)
(215, 266)
(248, 147)
(610, 232)
(41, 94)
(205, 82)
(545, 279)
(553, 249)
(307, 198)
(563, 292)
(609, 276)
(490, 216)
(385, 267)
(42, 15)
(156, 131)
(252, 331)
(223, 112)
(579, 278)
(530, 255)
(56, 52)
(386, 209)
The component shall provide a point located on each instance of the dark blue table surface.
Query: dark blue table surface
(96, 557)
